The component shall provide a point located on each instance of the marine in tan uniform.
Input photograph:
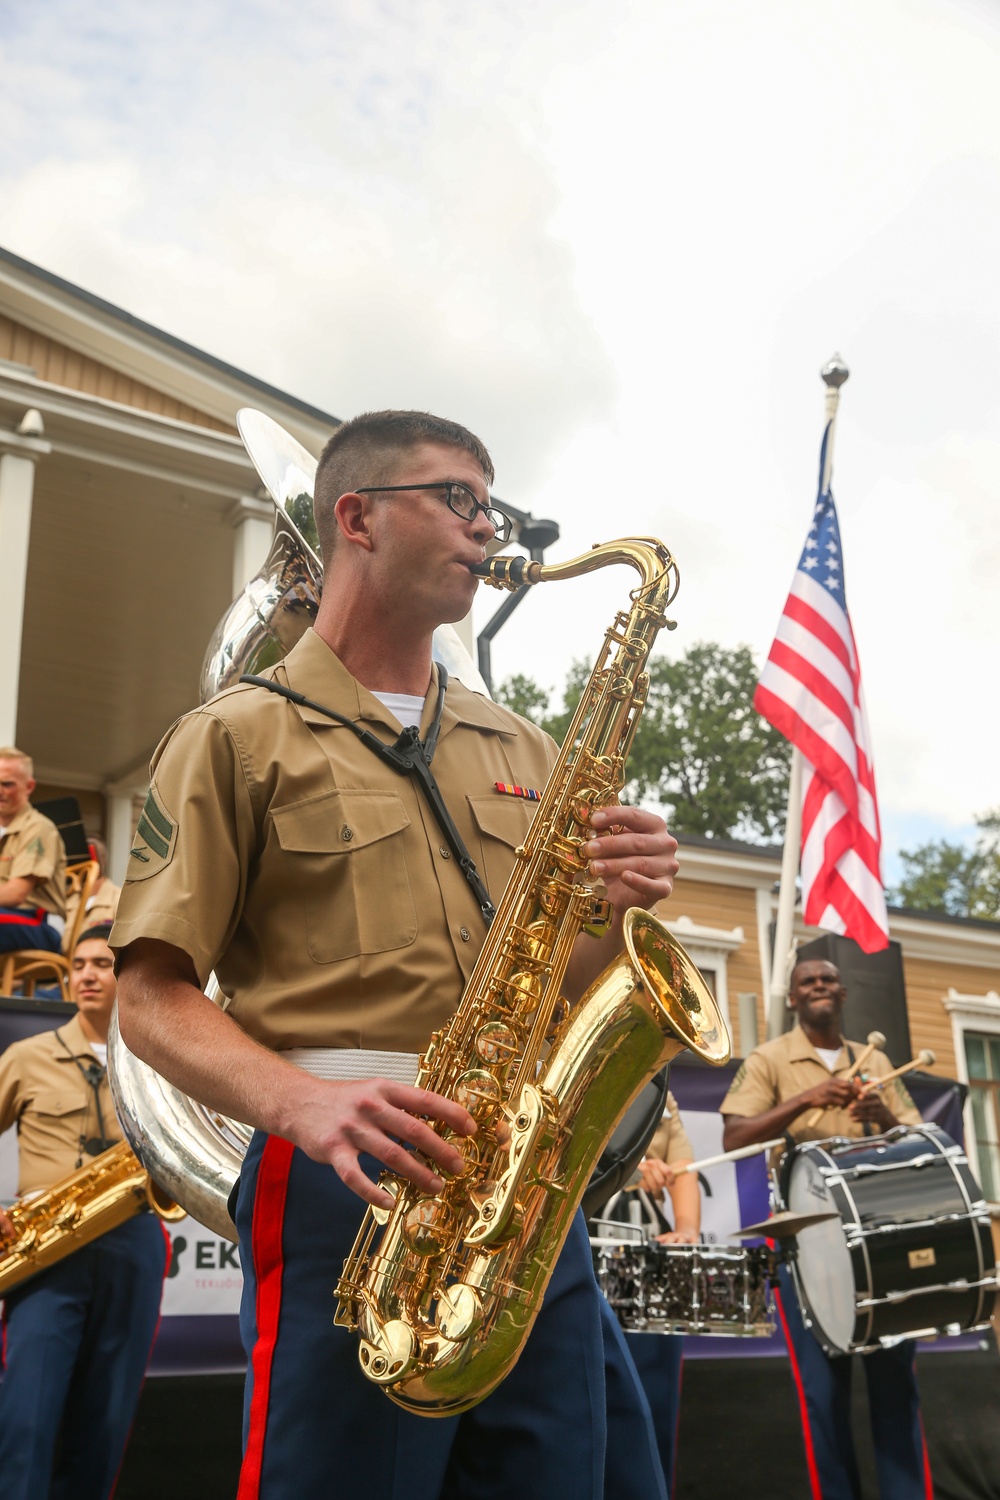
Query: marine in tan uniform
(279, 850)
(102, 904)
(784, 1081)
(775, 1091)
(32, 863)
(669, 1149)
(78, 1334)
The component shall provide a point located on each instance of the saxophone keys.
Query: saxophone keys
(393, 1356)
(459, 1311)
(428, 1226)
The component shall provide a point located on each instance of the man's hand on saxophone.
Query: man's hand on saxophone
(634, 854)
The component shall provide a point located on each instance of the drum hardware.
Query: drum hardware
(875, 1041)
(704, 1289)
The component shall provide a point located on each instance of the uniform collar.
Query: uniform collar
(801, 1048)
(19, 820)
(313, 669)
(72, 1035)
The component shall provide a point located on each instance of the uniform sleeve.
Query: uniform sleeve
(41, 855)
(671, 1142)
(195, 840)
(10, 1088)
(754, 1088)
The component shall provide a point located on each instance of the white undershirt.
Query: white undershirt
(100, 1051)
(829, 1055)
(406, 707)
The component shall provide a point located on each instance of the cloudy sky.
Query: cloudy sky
(617, 242)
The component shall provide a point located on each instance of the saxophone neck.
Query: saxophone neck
(650, 558)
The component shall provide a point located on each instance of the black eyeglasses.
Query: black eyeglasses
(458, 498)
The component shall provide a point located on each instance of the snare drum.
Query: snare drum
(909, 1253)
(686, 1288)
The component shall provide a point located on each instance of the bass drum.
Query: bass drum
(909, 1252)
(627, 1145)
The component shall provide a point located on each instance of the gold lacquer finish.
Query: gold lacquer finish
(71, 1213)
(443, 1290)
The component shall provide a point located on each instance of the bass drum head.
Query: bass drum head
(823, 1262)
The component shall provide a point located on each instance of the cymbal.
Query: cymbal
(783, 1226)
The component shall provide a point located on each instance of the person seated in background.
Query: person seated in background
(103, 901)
(32, 863)
(79, 1333)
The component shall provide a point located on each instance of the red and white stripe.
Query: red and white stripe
(810, 690)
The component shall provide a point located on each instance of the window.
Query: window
(982, 1058)
(975, 1029)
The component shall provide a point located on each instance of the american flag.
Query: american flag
(810, 690)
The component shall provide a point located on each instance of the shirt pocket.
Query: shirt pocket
(344, 863)
(59, 1114)
(502, 823)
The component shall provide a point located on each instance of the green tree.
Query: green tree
(701, 750)
(953, 879)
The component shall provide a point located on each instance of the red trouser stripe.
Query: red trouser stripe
(32, 916)
(814, 1483)
(928, 1481)
(269, 1265)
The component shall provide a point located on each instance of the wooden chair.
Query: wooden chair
(27, 967)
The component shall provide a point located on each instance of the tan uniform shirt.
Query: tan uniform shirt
(278, 849)
(44, 1093)
(32, 846)
(101, 908)
(671, 1142)
(788, 1065)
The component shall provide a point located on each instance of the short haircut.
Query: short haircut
(8, 752)
(101, 930)
(367, 451)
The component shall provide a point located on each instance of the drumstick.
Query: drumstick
(875, 1039)
(714, 1161)
(923, 1059)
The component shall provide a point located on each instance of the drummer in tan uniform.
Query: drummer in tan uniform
(775, 1092)
(279, 849)
(32, 863)
(669, 1150)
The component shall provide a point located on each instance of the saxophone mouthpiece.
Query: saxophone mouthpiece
(507, 572)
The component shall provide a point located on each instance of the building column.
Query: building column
(119, 830)
(252, 520)
(19, 452)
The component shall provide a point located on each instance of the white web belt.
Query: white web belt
(345, 1064)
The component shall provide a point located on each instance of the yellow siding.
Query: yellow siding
(55, 363)
(927, 983)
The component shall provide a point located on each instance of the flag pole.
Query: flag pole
(833, 374)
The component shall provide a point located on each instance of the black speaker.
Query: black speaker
(876, 992)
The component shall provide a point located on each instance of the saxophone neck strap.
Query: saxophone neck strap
(409, 755)
(93, 1076)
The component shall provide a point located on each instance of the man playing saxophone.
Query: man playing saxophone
(280, 849)
(78, 1334)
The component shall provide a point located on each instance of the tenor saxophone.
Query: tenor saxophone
(443, 1288)
(76, 1210)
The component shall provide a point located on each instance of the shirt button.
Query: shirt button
(445, 852)
(465, 934)
(346, 834)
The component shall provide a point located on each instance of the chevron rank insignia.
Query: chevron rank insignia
(528, 793)
(155, 839)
